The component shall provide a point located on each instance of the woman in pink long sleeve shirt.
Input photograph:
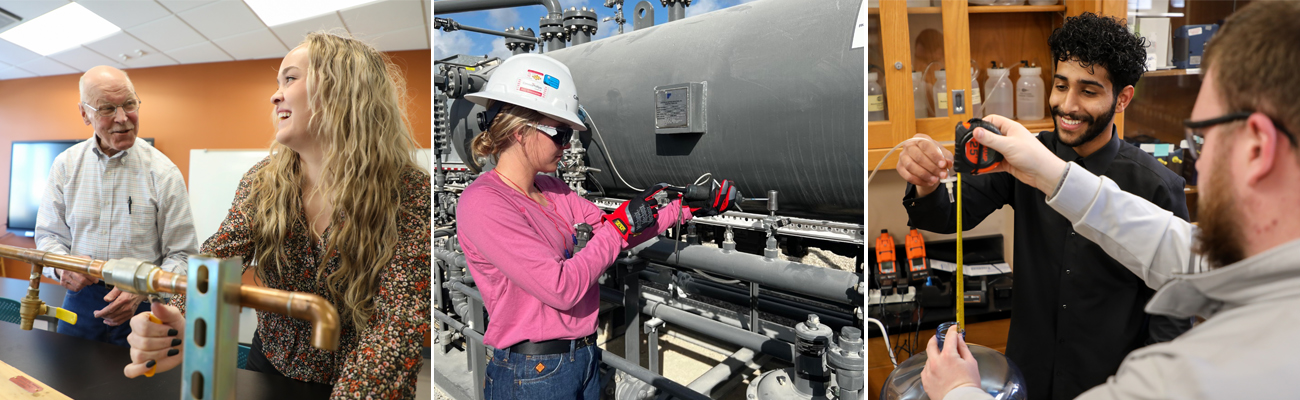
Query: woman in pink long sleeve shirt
(517, 232)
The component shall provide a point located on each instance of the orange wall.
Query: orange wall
(202, 106)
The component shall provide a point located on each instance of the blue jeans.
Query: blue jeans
(567, 376)
(85, 302)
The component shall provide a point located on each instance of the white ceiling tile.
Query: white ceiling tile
(167, 34)
(222, 19)
(29, 9)
(383, 16)
(205, 52)
(47, 67)
(119, 43)
(178, 6)
(292, 33)
(126, 13)
(149, 60)
(14, 54)
(15, 73)
(406, 39)
(84, 59)
(253, 45)
(123, 43)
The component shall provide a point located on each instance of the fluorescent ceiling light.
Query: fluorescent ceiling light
(280, 12)
(64, 28)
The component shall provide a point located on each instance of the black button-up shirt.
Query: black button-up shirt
(1076, 311)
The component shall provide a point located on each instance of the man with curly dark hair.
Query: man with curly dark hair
(1077, 311)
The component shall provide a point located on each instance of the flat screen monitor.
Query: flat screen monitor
(29, 171)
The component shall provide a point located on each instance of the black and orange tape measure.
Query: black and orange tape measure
(974, 158)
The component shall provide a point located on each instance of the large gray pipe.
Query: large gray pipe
(743, 338)
(729, 367)
(823, 283)
(460, 6)
(645, 375)
(676, 10)
(783, 109)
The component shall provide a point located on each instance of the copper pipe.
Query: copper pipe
(94, 268)
(167, 282)
(306, 306)
(325, 319)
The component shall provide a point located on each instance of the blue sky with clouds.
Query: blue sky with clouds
(447, 44)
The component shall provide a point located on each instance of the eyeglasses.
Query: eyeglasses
(110, 110)
(558, 134)
(1195, 130)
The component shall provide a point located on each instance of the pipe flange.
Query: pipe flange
(847, 353)
(583, 19)
(515, 43)
(686, 3)
(552, 28)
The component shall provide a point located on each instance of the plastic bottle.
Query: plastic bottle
(941, 94)
(1029, 94)
(998, 98)
(875, 100)
(920, 96)
(976, 103)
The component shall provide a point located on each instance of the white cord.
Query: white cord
(885, 335)
(605, 148)
(891, 152)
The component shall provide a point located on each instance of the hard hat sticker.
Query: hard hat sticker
(531, 87)
(537, 76)
(551, 81)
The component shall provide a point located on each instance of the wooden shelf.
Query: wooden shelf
(1013, 9)
(1189, 189)
(1172, 72)
(873, 11)
(924, 10)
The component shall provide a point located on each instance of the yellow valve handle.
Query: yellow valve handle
(63, 315)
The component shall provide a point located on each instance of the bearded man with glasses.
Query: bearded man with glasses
(112, 196)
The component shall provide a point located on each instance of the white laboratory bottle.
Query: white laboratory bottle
(976, 102)
(875, 99)
(1029, 94)
(941, 94)
(999, 98)
(920, 96)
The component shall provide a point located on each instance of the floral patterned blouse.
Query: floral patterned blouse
(380, 363)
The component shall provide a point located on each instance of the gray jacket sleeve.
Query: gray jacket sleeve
(1151, 242)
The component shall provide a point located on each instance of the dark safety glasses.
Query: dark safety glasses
(558, 134)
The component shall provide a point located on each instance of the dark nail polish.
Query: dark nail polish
(150, 364)
(173, 352)
(172, 332)
(175, 342)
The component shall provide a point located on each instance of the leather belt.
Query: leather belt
(556, 346)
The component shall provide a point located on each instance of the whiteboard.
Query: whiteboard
(215, 175)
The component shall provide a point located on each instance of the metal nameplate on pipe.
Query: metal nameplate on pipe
(680, 108)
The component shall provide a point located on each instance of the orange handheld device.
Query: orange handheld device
(885, 261)
(918, 265)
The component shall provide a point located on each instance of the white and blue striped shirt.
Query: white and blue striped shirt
(133, 204)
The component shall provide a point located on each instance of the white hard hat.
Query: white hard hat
(535, 82)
